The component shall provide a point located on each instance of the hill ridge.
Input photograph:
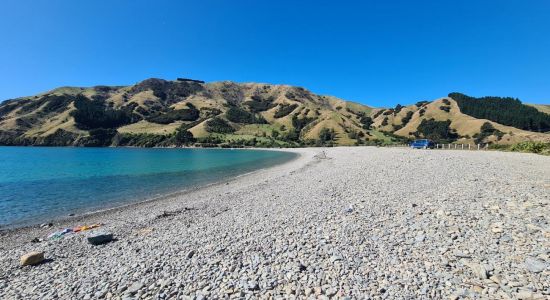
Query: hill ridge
(185, 112)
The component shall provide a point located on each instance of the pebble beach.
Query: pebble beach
(335, 223)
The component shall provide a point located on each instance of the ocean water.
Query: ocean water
(40, 183)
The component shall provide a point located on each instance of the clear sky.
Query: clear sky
(375, 52)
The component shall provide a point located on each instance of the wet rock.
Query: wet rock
(100, 238)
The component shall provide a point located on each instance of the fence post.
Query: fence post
(477, 146)
(462, 146)
(469, 146)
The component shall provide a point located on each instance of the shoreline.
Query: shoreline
(177, 192)
(357, 222)
(85, 217)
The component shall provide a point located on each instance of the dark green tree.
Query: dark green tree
(327, 136)
(439, 131)
(218, 125)
(503, 110)
(183, 137)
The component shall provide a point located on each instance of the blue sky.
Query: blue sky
(375, 52)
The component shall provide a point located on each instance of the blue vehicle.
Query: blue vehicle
(422, 144)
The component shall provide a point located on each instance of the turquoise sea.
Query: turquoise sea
(40, 183)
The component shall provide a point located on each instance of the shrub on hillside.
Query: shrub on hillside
(258, 104)
(285, 110)
(421, 103)
(59, 138)
(438, 131)
(218, 125)
(211, 139)
(355, 135)
(300, 123)
(183, 136)
(29, 106)
(56, 103)
(327, 136)
(292, 135)
(485, 131)
(378, 113)
(142, 140)
(100, 137)
(171, 116)
(208, 112)
(8, 106)
(407, 118)
(398, 108)
(366, 122)
(237, 115)
(49, 103)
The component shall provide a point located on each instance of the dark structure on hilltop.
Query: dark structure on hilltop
(190, 80)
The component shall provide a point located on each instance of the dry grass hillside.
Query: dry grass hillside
(284, 114)
(158, 112)
(465, 126)
(545, 108)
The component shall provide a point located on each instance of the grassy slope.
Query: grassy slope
(151, 128)
(545, 108)
(216, 96)
(464, 125)
(327, 111)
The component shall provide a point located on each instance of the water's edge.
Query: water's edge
(74, 217)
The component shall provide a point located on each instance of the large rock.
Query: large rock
(32, 258)
(535, 265)
(100, 238)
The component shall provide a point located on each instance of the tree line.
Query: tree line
(504, 110)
